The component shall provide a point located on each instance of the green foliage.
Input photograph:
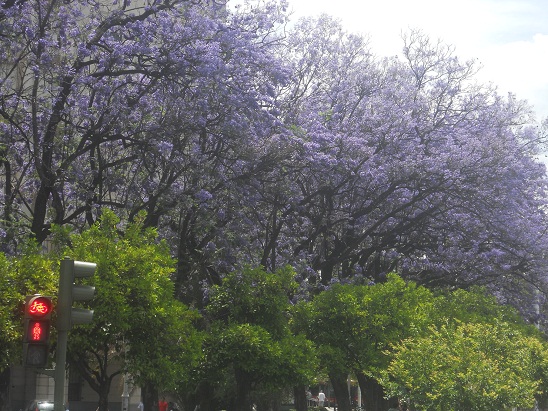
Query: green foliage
(32, 273)
(11, 298)
(253, 296)
(249, 338)
(474, 305)
(137, 320)
(353, 326)
(476, 355)
(449, 350)
(251, 349)
(457, 350)
(476, 367)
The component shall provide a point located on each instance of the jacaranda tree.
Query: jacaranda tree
(251, 145)
(118, 105)
(247, 145)
(405, 164)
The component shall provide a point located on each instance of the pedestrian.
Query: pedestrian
(140, 406)
(321, 398)
(162, 404)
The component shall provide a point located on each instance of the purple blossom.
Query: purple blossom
(203, 196)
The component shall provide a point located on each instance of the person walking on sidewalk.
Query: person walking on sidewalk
(321, 398)
(162, 404)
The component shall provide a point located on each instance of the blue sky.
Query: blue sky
(508, 37)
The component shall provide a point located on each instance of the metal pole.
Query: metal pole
(59, 372)
(64, 304)
(125, 395)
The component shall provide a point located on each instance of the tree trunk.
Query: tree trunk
(150, 396)
(8, 202)
(205, 397)
(4, 388)
(103, 398)
(100, 382)
(39, 216)
(299, 392)
(242, 400)
(340, 385)
(372, 393)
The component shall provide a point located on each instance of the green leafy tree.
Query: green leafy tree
(472, 367)
(11, 301)
(474, 305)
(476, 355)
(250, 346)
(30, 273)
(138, 324)
(354, 326)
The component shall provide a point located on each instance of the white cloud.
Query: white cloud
(509, 37)
(520, 67)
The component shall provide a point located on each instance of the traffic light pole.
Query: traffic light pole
(64, 305)
(67, 316)
(59, 371)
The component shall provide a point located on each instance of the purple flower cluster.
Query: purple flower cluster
(251, 145)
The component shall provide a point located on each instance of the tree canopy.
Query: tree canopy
(250, 342)
(152, 335)
(247, 144)
(243, 141)
(456, 350)
(470, 367)
(354, 327)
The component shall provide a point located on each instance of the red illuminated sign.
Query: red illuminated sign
(38, 331)
(39, 307)
(37, 325)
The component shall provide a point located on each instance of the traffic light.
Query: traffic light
(38, 309)
(67, 316)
